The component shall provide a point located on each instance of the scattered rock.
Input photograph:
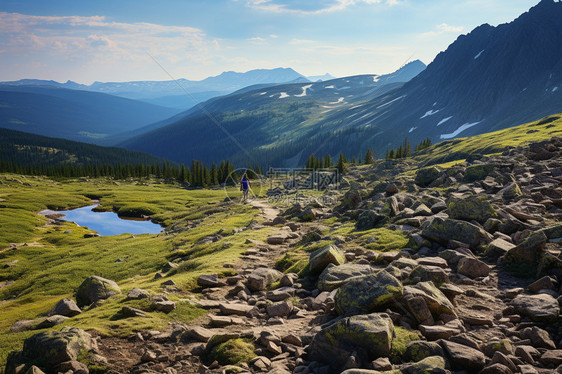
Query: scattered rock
(137, 294)
(329, 254)
(473, 267)
(65, 307)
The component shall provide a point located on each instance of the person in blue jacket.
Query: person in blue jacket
(245, 186)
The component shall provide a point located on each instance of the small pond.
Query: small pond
(108, 223)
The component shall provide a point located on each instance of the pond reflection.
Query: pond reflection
(109, 223)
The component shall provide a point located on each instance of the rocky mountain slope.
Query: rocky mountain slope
(276, 125)
(451, 268)
(489, 79)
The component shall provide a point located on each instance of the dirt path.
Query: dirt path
(256, 323)
(268, 212)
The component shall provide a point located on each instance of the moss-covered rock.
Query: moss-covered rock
(335, 276)
(369, 219)
(436, 300)
(367, 293)
(329, 254)
(477, 172)
(420, 349)
(402, 337)
(95, 288)
(233, 351)
(369, 335)
(476, 208)
(425, 366)
(425, 176)
(444, 229)
(51, 348)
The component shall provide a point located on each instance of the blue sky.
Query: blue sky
(103, 40)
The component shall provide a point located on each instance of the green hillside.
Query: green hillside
(28, 150)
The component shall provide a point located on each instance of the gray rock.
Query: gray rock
(436, 301)
(260, 278)
(473, 267)
(65, 307)
(95, 288)
(281, 309)
(420, 349)
(370, 335)
(137, 294)
(464, 357)
(367, 293)
(208, 281)
(51, 348)
(444, 229)
(541, 308)
(335, 276)
(528, 252)
(329, 254)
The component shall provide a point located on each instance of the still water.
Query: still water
(109, 223)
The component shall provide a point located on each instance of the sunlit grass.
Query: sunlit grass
(59, 258)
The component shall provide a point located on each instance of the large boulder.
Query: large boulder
(329, 254)
(369, 335)
(49, 349)
(540, 308)
(335, 276)
(95, 288)
(476, 208)
(368, 293)
(425, 176)
(444, 229)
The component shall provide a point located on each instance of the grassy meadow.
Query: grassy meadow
(41, 262)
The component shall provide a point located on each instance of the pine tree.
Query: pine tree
(369, 157)
(341, 165)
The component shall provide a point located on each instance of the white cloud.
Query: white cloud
(311, 7)
(97, 42)
(448, 28)
(442, 29)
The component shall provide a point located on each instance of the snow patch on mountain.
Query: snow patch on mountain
(304, 88)
(444, 120)
(340, 100)
(459, 130)
(391, 101)
(555, 89)
(412, 129)
(479, 54)
(283, 95)
(430, 113)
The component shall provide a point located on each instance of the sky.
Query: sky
(127, 40)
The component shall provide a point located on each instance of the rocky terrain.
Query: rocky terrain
(475, 289)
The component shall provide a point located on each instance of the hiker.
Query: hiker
(245, 186)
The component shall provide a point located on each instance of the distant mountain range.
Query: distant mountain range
(489, 79)
(74, 114)
(182, 93)
(277, 125)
